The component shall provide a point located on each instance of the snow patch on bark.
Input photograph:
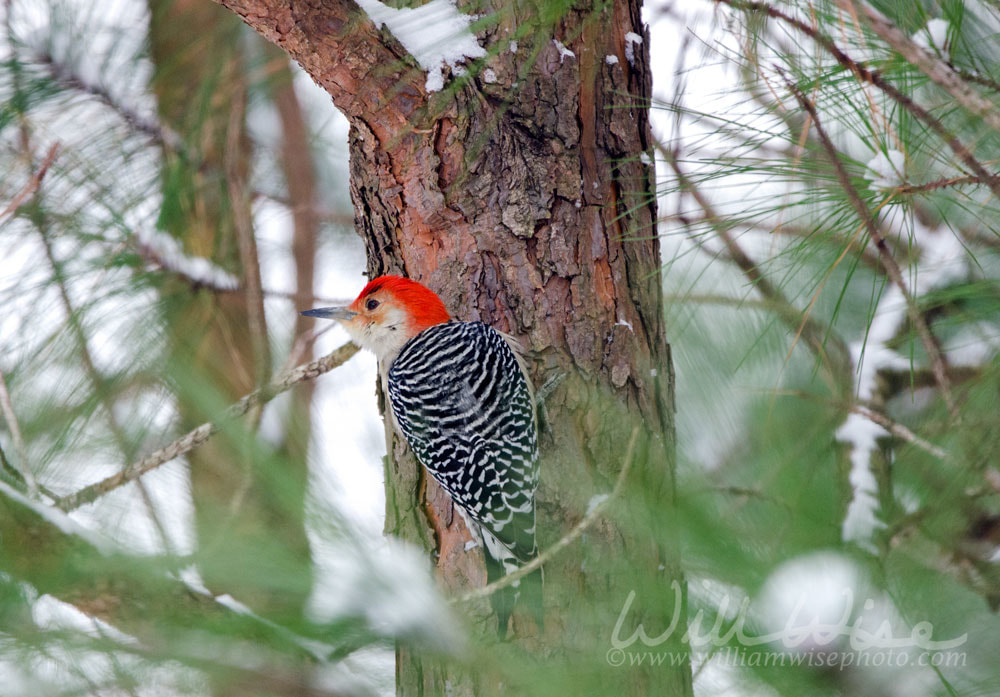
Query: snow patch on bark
(631, 41)
(564, 52)
(595, 501)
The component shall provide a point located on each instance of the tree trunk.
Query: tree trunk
(249, 512)
(525, 201)
(300, 183)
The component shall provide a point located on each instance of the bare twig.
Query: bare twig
(303, 345)
(943, 183)
(31, 187)
(201, 434)
(320, 213)
(877, 417)
(932, 66)
(888, 261)
(977, 79)
(899, 430)
(725, 300)
(592, 515)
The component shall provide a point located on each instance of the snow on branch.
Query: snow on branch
(942, 259)
(436, 34)
(166, 252)
(941, 256)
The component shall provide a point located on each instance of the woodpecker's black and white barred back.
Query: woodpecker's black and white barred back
(463, 404)
(462, 400)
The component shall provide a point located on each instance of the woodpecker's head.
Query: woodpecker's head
(386, 314)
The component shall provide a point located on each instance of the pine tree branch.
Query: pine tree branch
(873, 77)
(816, 336)
(192, 439)
(133, 593)
(65, 76)
(932, 66)
(875, 416)
(97, 381)
(888, 261)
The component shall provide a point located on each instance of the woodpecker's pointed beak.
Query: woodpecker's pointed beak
(341, 313)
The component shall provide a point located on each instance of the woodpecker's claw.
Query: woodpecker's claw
(331, 313)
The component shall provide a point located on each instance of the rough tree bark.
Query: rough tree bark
(524, 201)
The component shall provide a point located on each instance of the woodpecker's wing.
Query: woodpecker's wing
(464, 406)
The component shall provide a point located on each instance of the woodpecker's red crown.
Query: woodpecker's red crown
(422, 305)
(390, 311)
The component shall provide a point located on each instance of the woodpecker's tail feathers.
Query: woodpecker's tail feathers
(526, 592)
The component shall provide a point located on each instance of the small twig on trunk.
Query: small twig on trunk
(192, 439)
(592, 515)
(888, 261)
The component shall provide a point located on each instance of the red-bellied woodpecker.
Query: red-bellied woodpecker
(462, 401)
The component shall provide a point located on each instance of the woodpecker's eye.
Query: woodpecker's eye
(371, 304)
